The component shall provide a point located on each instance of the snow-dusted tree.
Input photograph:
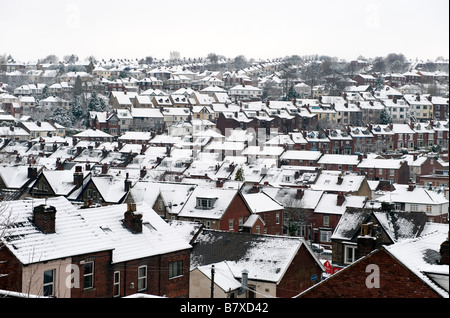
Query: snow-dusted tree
(291, 94)
(78, 87)
(77, 108)
(385, 117)
(379, 83)
(62, 116)
(295, 214)
(96, 103)
(239, 175)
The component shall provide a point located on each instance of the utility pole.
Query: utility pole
(212, 281)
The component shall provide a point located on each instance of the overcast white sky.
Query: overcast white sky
(32, 29)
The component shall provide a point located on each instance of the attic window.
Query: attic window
(205, 203)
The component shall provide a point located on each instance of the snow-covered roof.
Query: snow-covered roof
(328, 203)
(338, 159)
(417, 196)
(265, 257)
(14, 177)
(156, 238)
(221, 199)
(73, 235)
(328, 181)
(301, 155)
(420, 255)
(261, 202)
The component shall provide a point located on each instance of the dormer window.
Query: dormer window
(205, 203)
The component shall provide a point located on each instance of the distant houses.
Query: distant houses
(193, 183)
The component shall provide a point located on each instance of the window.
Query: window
(326, 220)
(204, 203)
(49, 283)
(428, 208)
(325, 236)
(277, 218)
(175, 269)
(142, 277)
(258, 229)
(116, 283)
(349, 254)
(88, 275)
(414, 207)
(230, 224)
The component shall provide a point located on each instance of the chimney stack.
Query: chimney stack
(32, 172)
(143, 172)
(300, 193)
(44, 218)
(132, 220)
(340, 199)
(444, 253)
(340, 179)
(127, 183)
(78, 177)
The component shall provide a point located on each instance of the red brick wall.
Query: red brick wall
(298, 276)
(270, 220)
(102, 276)
(237, 209)
(179, 286)
(158, 282)
(396, 281)
(11, 266)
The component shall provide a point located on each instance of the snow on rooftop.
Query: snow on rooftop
(421, 255)
(74, 235)
(261, 202)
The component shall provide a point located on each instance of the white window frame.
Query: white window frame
(88, 275)
(116, 284)
(142, 277)
(325, 235)
(349, 257)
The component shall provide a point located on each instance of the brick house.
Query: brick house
(425, 165)
(217, 208)
(268, 209)
(441, 135)
(145, 256)
(440, 107)
(341, 142)
(50, 183)
(348, 238)
(301, 158)
(394, 170)
(328, 213)
(276, 266)
(36, 262)
(413, 268)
